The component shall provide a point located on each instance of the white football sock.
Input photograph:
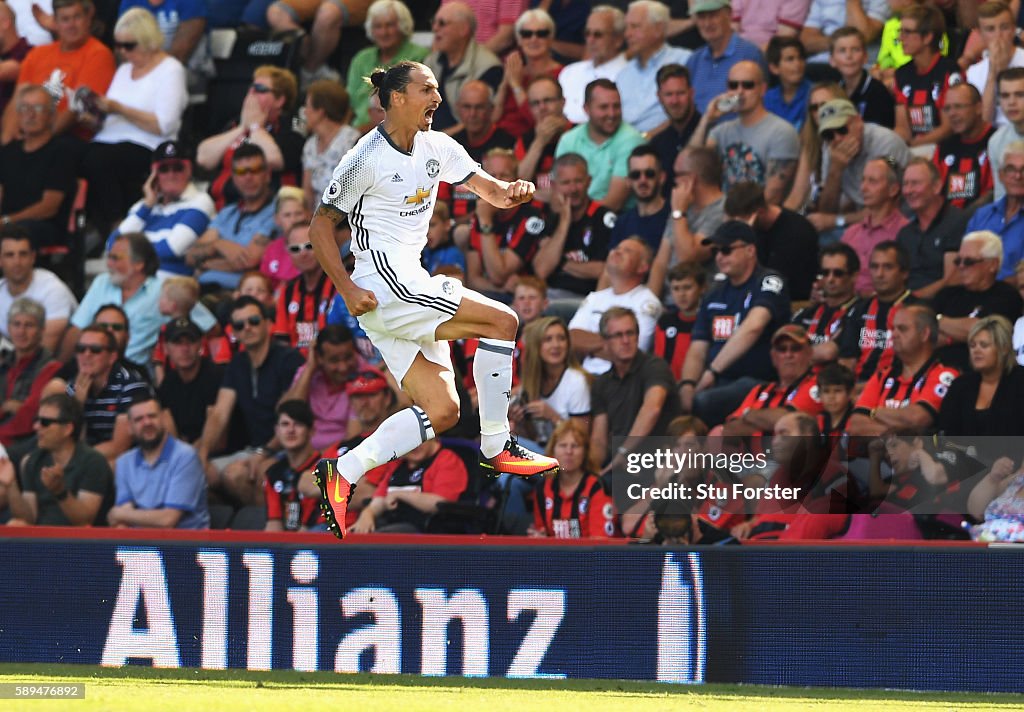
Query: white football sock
(492, 371)
(397, 435)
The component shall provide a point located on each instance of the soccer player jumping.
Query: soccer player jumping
(387, 185)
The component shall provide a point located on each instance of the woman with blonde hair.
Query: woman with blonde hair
(535, 36)
(289, 208)
(553, 386)
(808, 180)
(142, 108)
(573, 503)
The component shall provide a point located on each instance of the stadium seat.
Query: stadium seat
(220, 516)
(251, 518)
(236, 54)
(474, 511)
(68, 261)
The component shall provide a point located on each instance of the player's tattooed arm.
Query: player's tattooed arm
(330, 212)
(322, 235)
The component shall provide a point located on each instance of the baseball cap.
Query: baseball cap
(834, 114)
(708, 6)
(183, 327)
(369, 380)
(171, 151)
(793, 332)
(729, 232)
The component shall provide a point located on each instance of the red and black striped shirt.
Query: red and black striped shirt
(302, 313)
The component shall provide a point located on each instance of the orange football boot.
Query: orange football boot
(515, 459)
(335, 493)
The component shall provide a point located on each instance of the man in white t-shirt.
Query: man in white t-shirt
(23, 279)
(627, 266)
(603, 35)
(386, 187)
(998, 31)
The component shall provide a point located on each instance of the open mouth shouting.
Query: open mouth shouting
(428, 115)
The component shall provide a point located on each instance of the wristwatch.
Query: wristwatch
(678, 215)
(840, 220)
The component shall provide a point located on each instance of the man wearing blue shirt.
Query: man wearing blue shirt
(709, 66)
(160, 483)
(647, 218)
(646, 28)
(1004, 217)
(238, 235)
(131, 283)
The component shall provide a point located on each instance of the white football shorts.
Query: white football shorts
(410, 306)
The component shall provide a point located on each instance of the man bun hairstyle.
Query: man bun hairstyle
(385, 80)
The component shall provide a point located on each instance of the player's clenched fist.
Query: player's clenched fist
(359, 301)
(519, 192)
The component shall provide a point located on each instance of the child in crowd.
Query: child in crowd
(529, 299)
(848, 55)
(686, 282)
(787, 61)
(289, 208)
(440, 249)
(178, 295)
(890, 54)
(835, 390)
(258, 285)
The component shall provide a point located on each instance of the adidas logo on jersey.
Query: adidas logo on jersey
(397, 179)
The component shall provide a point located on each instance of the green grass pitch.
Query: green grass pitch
(140, 689)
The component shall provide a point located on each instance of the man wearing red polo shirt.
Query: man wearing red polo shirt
(905, 398)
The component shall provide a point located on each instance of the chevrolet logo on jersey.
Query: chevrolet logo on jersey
(418, 197)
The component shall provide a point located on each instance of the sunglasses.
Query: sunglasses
(91, 348)
(967, 261)
(254, 320)
(47, 422)
(112, 326)
(296, 249)
(260, 88)
(788, 348)
(646, 173)
(250, 171)
(823, 273)
(125, 46)
(539, 34)
(727, 249)
(745, 83)
(171, 167)
(829, 134)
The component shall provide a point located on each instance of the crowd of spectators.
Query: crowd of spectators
(788, 226)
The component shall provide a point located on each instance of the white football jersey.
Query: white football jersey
(389, 194)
